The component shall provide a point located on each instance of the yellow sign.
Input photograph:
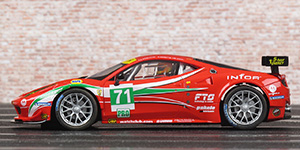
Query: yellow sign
(77, 81)
(129, 61)
(112, 121)
(44, 116)
(99, 92)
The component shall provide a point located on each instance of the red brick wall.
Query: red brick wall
(46, 41)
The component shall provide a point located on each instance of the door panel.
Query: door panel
(150, 91)
(148, 99)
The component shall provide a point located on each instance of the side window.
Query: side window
(183, 68)
(150, 70)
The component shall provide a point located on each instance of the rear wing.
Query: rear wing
(274, 62)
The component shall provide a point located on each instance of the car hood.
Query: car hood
(71, 82)
(39, 90)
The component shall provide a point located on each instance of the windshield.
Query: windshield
(103, 74)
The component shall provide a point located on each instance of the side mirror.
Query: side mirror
(119, 77)
(117, 82)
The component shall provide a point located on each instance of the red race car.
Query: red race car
(162, 89)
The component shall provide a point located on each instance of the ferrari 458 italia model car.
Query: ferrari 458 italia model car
(162, 89)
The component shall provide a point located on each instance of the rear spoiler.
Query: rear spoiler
(274, 62)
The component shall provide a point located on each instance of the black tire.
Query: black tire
(76, 109)
(224, 121)
(245, 107)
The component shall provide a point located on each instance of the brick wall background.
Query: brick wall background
(50, 40)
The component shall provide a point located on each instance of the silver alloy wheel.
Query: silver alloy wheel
(245, 107)
(76, 109)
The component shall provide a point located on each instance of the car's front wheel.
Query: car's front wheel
(77, 110)
(245, 107)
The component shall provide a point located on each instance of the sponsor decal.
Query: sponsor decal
(147, 58)
(121, 98)
(276, 61)
(23, 102)
(76, 81)
(123, 113)
(44, 116)
(277, 97)
(274, 93)
(99, 92)
(170, 57)
(164, 121)
(206, 108)
(129, 61)
(276, 112)
(204, 98)
(43, 104)
(272, 88)
(112, 121)
(188, 82)
(136, 121)
(184, 120)
(243, 76)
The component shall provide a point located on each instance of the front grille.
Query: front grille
(18, 110)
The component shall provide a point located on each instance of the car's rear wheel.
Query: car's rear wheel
(245, 107)
(77, 110)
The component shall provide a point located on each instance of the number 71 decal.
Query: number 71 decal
(121, 98)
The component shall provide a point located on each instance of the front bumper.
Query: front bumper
(40, 116)
(288, 112)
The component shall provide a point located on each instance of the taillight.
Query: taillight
(283, 81)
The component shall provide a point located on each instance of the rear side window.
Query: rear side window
(150, 70)
(183, 68)
(154, 70)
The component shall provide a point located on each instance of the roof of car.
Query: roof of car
(185, 59)
(162, 56)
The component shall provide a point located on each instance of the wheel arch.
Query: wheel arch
(57, 97)
(223, 119)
